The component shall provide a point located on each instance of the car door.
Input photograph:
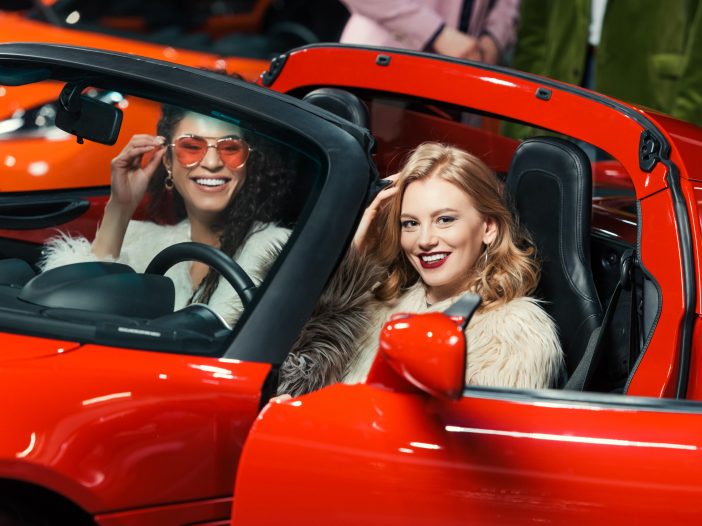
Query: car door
(510, 457)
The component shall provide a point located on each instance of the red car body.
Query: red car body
(178, 411)
(129, 436)
(18, 28)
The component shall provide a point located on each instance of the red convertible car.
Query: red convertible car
(120, 411)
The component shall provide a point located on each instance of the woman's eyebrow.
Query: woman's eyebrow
(443, 211)
(433, 214)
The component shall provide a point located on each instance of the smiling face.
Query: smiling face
(207, 187)
(443, 234)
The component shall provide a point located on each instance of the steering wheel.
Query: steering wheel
(215, 258)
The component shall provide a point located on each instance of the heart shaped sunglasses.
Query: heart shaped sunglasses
(190, 150)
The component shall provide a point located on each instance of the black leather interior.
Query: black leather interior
(342, 103)
(101, 287)
(15, 271)
(550, 185)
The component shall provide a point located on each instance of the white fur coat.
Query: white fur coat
(144, 239)
(513, 345)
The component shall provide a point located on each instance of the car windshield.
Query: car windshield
(182, 174)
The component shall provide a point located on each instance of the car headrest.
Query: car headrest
(342, 103)
(550, 185)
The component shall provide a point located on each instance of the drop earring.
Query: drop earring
(168, 183)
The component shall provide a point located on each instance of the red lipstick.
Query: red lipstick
(431, 260)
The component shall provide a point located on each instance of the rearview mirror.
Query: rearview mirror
(429, 350)
(86, 117)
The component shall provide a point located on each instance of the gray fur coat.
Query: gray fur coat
(328, 343)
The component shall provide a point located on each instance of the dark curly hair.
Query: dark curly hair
(267, 186)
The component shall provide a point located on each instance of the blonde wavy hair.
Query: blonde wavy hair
(509, 270)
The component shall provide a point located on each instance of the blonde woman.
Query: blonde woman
(443, 228)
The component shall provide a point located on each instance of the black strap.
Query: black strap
(588, 363)
(635, 332)
(464, 20)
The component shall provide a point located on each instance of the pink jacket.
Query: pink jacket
(410, 24)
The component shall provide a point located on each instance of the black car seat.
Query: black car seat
(550, 186)
(342, 103)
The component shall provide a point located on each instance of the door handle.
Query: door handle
(30, 215)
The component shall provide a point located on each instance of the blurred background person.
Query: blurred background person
(645, 52)
(481, 30)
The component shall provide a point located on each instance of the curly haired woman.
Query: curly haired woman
(226, 193)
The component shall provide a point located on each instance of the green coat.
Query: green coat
(650, 52)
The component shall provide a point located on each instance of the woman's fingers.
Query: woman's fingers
(150, 162)
(140, 145)
(388, 190)
(379, 201)
(371, 212)
(133, 167)
(130, 158)
(384, 195)
(144, 140)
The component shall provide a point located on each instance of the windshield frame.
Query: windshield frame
(290, 292)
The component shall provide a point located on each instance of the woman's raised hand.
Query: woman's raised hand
(129, 178)
(129, 182)
(371, 212)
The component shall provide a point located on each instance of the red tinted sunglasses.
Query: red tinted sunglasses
(190, 150)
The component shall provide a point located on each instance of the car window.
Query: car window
(56, 189)
(489, 137)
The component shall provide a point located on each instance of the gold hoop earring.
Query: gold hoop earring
(168, 183)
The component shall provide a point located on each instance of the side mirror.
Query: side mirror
(87, 118)
(429, 350)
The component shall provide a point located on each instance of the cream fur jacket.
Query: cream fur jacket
(144, 239)
(513, 345)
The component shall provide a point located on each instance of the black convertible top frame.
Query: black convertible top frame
(342, 148)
